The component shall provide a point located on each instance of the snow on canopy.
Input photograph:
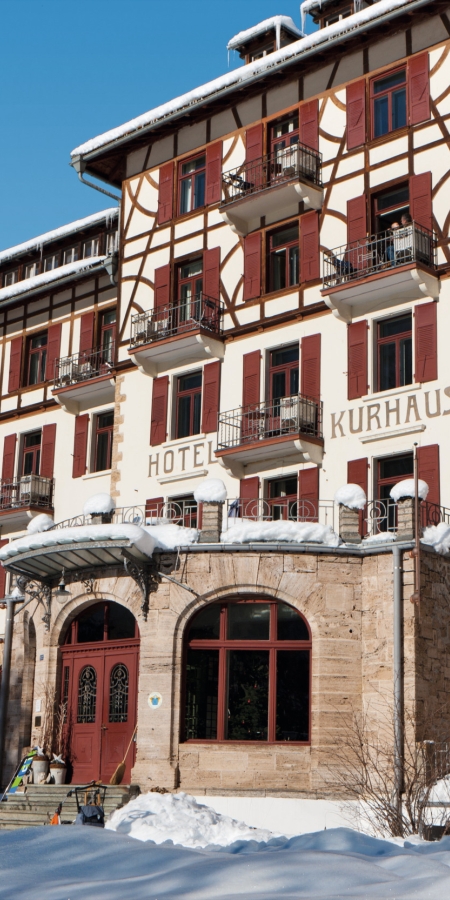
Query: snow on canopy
(351, 495)
(99, 503)
(40, 523)
(407, 488)
(276, 22)
(63, 231)
(168, 536)
(246, 532)
(212, 490)
(437, 536)
(80, 534)
(244, 74)
(37, 281)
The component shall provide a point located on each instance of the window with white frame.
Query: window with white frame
(51, 262)
(31, 270)
(70, 255)
(90, 248)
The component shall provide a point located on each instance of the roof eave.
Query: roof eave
(53, 285)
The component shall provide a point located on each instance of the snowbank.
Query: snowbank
(437, 536)
(212, 490)
(180, 819)
(99, 503)
(245, 532)
(276, 22)
(80, 534)
(351, 495)
(29, 284)
(40, 523)
(407, 488)
(169, 537)
(381, 537)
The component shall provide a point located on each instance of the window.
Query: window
(189, 401)
(31, 456)
(395, 352)
(283, 372)
(282, 498)
(389, 472)
(388, 96)
(90, 248)
(263, 51)
(51, 262)
(104, 425)
(284, 258)
(284, 133)
(330, 20)
(10, 278)
(70, 255)
(390, 206)
(247, 673)
(192, 184)
(108, 334)
(31, 270)
(37, 358)
(190, 286)
(184, 511)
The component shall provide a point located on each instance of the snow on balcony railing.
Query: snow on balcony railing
(29, 490)
(196, 312)
(379, 252)
(288, 415)
(164, 513)
(70, 370)
(298, 161)
(286, 509)
(381, 516)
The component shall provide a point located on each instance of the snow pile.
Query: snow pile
(351, 495)
(407, 488)
(380, 538)
(98, 504)
(107, 215)
(276, 22)
(40, 523)
(81, 534)
(437, 536)
(212, 490)
(170, 536)
(246, 532)
(29, 284)
(440, 793)
(180, 819)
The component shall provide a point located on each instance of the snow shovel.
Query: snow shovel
(116, 777)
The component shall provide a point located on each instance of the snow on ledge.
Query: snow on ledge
(276, 22)
(36, 243)
(40, 523)
(351, 495)
(29, 284)
(212, 490)
(137, 536)
(384, 537)
(407, 488)
(170, 537)
(437, 536)
(246, 532)
(99, 503)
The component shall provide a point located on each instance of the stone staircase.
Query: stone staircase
(37, 805)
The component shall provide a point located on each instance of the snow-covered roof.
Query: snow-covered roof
(79, 534)
(244, 75)
(63, 231)
(276, 22)
(39, 281)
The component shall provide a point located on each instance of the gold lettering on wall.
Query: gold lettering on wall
(198, 462)
(428, 413)
(183, 451)
(155, 463)
(169, 459)
(392, 411)
(405, 410)
(373, 415)
(337, 424)
(412, 405)
(354, 430)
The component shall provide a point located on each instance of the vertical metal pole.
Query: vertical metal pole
(6, 672)
(398, 679)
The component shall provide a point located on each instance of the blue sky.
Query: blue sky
(71, 70)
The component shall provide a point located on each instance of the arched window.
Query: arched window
(247, 673)
(118, 694)
(87, 695)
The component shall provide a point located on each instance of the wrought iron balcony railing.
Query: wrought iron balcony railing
(382, 516)
(285, 509)
(294, 162)
(29, 490)
(379, 252)
(172, 513)
(83, 366)
(270, 419)
(197, 312)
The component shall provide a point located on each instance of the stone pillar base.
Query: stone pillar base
(211, 523)
(101, 518)
(349, 525)
(406, 520)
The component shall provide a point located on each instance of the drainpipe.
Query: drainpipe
(6, 672)
(398, 679)
(79, 166)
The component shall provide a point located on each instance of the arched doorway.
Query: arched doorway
(99, 684)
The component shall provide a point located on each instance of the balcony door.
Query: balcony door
(99, 685)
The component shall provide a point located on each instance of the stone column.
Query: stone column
(211, 523)
(349, 525)
(406, 519)
(101, 518)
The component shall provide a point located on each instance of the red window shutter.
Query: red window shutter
(357, 473)
(9, 455)
(252, 266)
(419, 89)
(356, 114)
(426, 342)
(48, 450)
(420, 202)
(2, 580)
(154, 508)
(15, 364)
(309, 124)
(211, 273)
(249, 497)
(158, 431)
(356, 219)
(80, 446)
(165, 193)
(311, 367)
(309, 247)
(210, 397)
(254, 138)
(53, 350)
(251, 378)
(214, 173)
(357, 360)
(308, 494)
(428, 468)
(87, 332)
(162, 287)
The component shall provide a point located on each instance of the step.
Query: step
(38, 803)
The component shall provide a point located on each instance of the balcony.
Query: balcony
(272, 186)
(285, 509)
(269, 432)
(187, 332)
(380, 271)
(84, 379)
(22, 498)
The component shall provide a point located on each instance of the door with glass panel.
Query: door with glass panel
(190, 290)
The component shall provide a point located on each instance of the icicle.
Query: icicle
(302, 18)
(278, 32)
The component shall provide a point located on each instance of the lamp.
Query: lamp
(61, 593)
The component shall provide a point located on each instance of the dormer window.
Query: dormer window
(10, 278)
(336, 17)
(31, 270)
(90, 248)
(51, 262)
(262, 51)
(70, 255)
